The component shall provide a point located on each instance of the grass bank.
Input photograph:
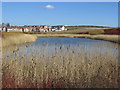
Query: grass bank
(111, 38)
(10, 39)
(15, 38)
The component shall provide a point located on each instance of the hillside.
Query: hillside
(84, 27)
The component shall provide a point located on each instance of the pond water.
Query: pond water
(52, 46)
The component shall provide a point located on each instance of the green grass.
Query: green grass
(81, 27)
(76, 31)
(96, 32)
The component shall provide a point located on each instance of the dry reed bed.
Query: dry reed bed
(11, 39)
(111, 38)
(0, 63)
(70, 70)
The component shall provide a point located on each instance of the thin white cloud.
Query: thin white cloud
(49, 6)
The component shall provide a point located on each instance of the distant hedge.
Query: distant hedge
(113, 31)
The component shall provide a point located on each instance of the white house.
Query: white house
(0, 29)
(58, 28)
(26, 30)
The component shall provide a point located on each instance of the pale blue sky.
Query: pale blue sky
(65, 13)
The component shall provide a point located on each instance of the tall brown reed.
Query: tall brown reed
(67, 68)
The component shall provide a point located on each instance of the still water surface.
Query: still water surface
(50, 46)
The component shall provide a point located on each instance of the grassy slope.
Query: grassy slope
(74, 31)
(14, 38)
(9, 34)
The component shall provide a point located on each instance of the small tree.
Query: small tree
(8, 24)
(3, 24)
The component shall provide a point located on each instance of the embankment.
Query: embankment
(111, 38)
(17, 39)
(9, 40)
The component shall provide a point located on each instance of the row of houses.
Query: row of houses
(41, 28)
